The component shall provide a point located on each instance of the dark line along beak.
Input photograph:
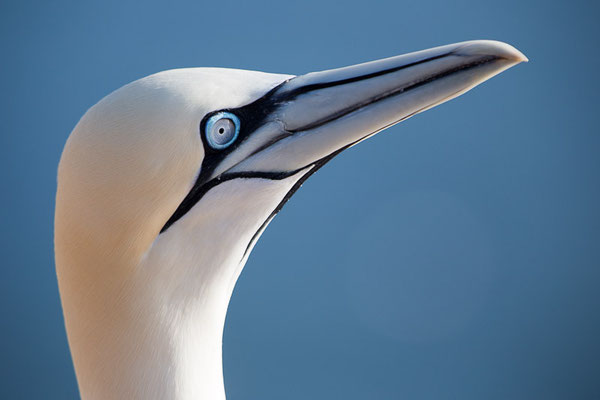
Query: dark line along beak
(322, 112)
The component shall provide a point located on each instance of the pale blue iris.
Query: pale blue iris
(222, 129)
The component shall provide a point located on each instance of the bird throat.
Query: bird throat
(161, 338)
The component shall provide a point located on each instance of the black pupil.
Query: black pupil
(221, 131)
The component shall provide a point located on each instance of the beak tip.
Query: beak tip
(492, 47)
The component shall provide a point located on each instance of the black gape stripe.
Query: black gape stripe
(316, 166)
(253, 115)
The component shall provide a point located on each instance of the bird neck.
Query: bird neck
(152, 327)
(155, 335)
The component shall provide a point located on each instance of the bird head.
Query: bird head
(145, 156)
(165, 184)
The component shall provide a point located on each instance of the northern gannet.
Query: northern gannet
(165, 185)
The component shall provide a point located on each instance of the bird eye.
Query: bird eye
(222, 129)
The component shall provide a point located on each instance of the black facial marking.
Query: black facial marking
(253, 115)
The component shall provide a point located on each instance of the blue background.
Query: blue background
(454, 256)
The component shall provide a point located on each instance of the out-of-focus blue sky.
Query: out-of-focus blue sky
(454, 256)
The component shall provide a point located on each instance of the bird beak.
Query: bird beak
(315, 116)
(306, 120)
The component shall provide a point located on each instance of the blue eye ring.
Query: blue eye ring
(210, 124)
